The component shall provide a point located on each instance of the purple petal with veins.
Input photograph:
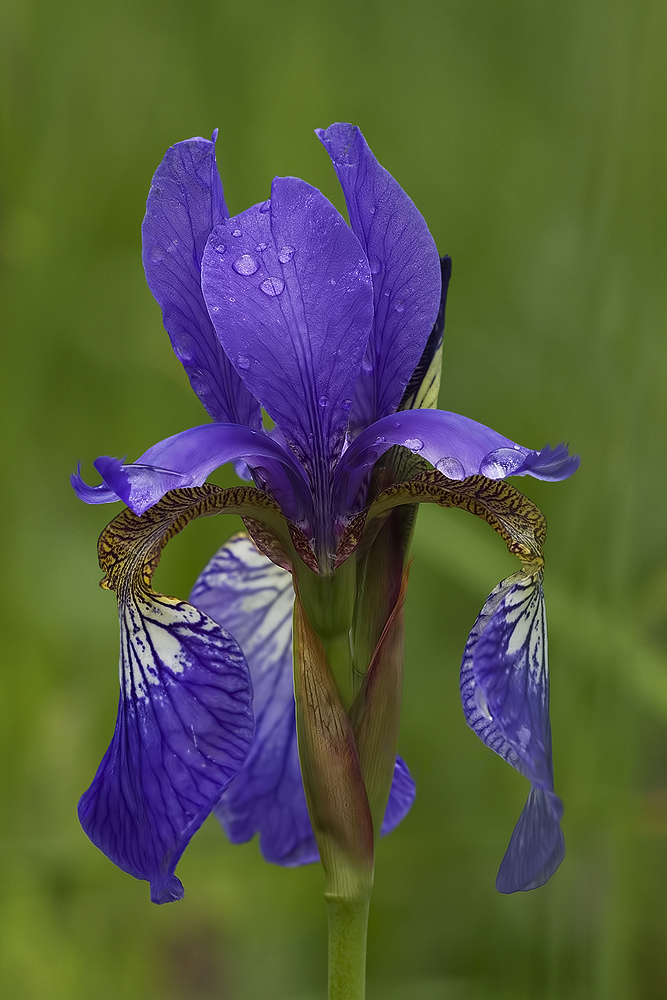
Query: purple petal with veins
(184, 729)
(455, 445)
(188, 458)
(405, 266)
(505, 694)
(184, 204)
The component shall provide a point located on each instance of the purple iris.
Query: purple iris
(287, 308)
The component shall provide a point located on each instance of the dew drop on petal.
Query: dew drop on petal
(272, 286)
(243, 363)
(381, 439)
(376, 264)
(399, 307)
(237, 233)
(500, 463)
(414, 444)
(450, 467)
(157, 255)
(265, 206)
(332, 281)
(367, 366)
(260, 248)
(220, 248)
(323, 401)
(346, 404)
(286, 253)
(245, 264)
(172, 246)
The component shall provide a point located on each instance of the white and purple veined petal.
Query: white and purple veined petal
(505, 695)
(184, 729)
(253, 598)
(188, 458)
(292, 304)
(455, 445)
(184, 204)
(405, 266)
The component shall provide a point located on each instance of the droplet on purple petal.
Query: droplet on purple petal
(286, 254)
(237, 233)
(157, 255)
(272, 286)
(414, 444)
(500, 463)
(450, 467)
(245, 265)
(243, 362)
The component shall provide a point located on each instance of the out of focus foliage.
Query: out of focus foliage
(532, 138)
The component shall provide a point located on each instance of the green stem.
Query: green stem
(348, 923)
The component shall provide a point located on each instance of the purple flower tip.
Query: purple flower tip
(551, 464)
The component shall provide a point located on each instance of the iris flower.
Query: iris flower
(334, 330)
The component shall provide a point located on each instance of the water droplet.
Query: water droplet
(232, 299)
(381, 439)
(266, 206)
(272, 286)
(260, 248)
(414, 444)
(400, 306)
(332, 281)
(346, 404)
(237, 233)
(450, 467)
(372, 209)
(500, 463)
(245, 264)
(323, 401)
(243, 362)
(157, 255)
(376, 264)
(524, 735)
(480, 700)
(367, 366)
(172, 246)
(220, 248)
(286, 253)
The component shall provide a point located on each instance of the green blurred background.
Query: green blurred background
(532, 137)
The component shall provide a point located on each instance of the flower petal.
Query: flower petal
(186, 459)
(505, 694)
(405, 265)
(253, 598)
(457, 446)
(184, 204)
(291, 301)
(185, 721)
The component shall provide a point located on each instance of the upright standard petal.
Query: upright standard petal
(184, 204)
(291, 300)
(252, 598)
(184, 723)
(188, 458)
(505, 694)
(455, 445)
(405, 266)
